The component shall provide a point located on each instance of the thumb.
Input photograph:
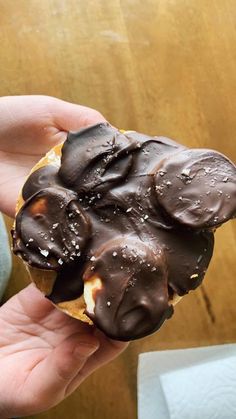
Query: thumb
(71, 117)
(52, 375)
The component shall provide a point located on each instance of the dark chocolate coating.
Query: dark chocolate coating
(197, 187)
(135, 292)
(132, 231)
(42, 178)
(51, 229)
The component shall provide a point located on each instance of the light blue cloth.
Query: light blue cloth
(5, 257)
(197, 383)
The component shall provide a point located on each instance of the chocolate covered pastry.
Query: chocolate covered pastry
(115, 227)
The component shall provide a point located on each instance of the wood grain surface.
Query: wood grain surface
(160, 67)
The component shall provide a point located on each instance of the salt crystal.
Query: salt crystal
(60, 261)
(44, 252)
(185, 172)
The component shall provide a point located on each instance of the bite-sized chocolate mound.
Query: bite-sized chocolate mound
(134, 292)
(51, 229)
(197, 187)
(127, 220)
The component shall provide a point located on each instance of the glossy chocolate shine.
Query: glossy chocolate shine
(133, 210)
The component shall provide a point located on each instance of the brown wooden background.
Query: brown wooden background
(159, 66)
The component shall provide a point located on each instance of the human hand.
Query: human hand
(45, 354)
(29, 127)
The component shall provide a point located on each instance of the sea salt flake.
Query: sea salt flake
(60, 261)
(44, 252)
(185, 172)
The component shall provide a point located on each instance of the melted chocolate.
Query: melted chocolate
(135, 211)
(42, 178)
(197, 187)
(135, 292)
(51, 229)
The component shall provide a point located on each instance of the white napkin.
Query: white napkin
(5, 257)
(197, 383)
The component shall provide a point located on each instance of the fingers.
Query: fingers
(107, 351)
(52, 375)
(40, 122)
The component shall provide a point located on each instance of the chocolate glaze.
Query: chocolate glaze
(51, 229)
(135, 292)
(42, 178)
(179, 178)
(140, 212)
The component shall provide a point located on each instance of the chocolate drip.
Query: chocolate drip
(135, 211)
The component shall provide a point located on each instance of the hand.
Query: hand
(29, 127)
(45, 354)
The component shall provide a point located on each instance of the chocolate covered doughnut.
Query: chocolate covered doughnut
(115, 226)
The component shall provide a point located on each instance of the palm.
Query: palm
(37, 360)
(44, 354)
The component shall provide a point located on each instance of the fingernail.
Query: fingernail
(84, 350)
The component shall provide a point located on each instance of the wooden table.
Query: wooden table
(162, 67)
